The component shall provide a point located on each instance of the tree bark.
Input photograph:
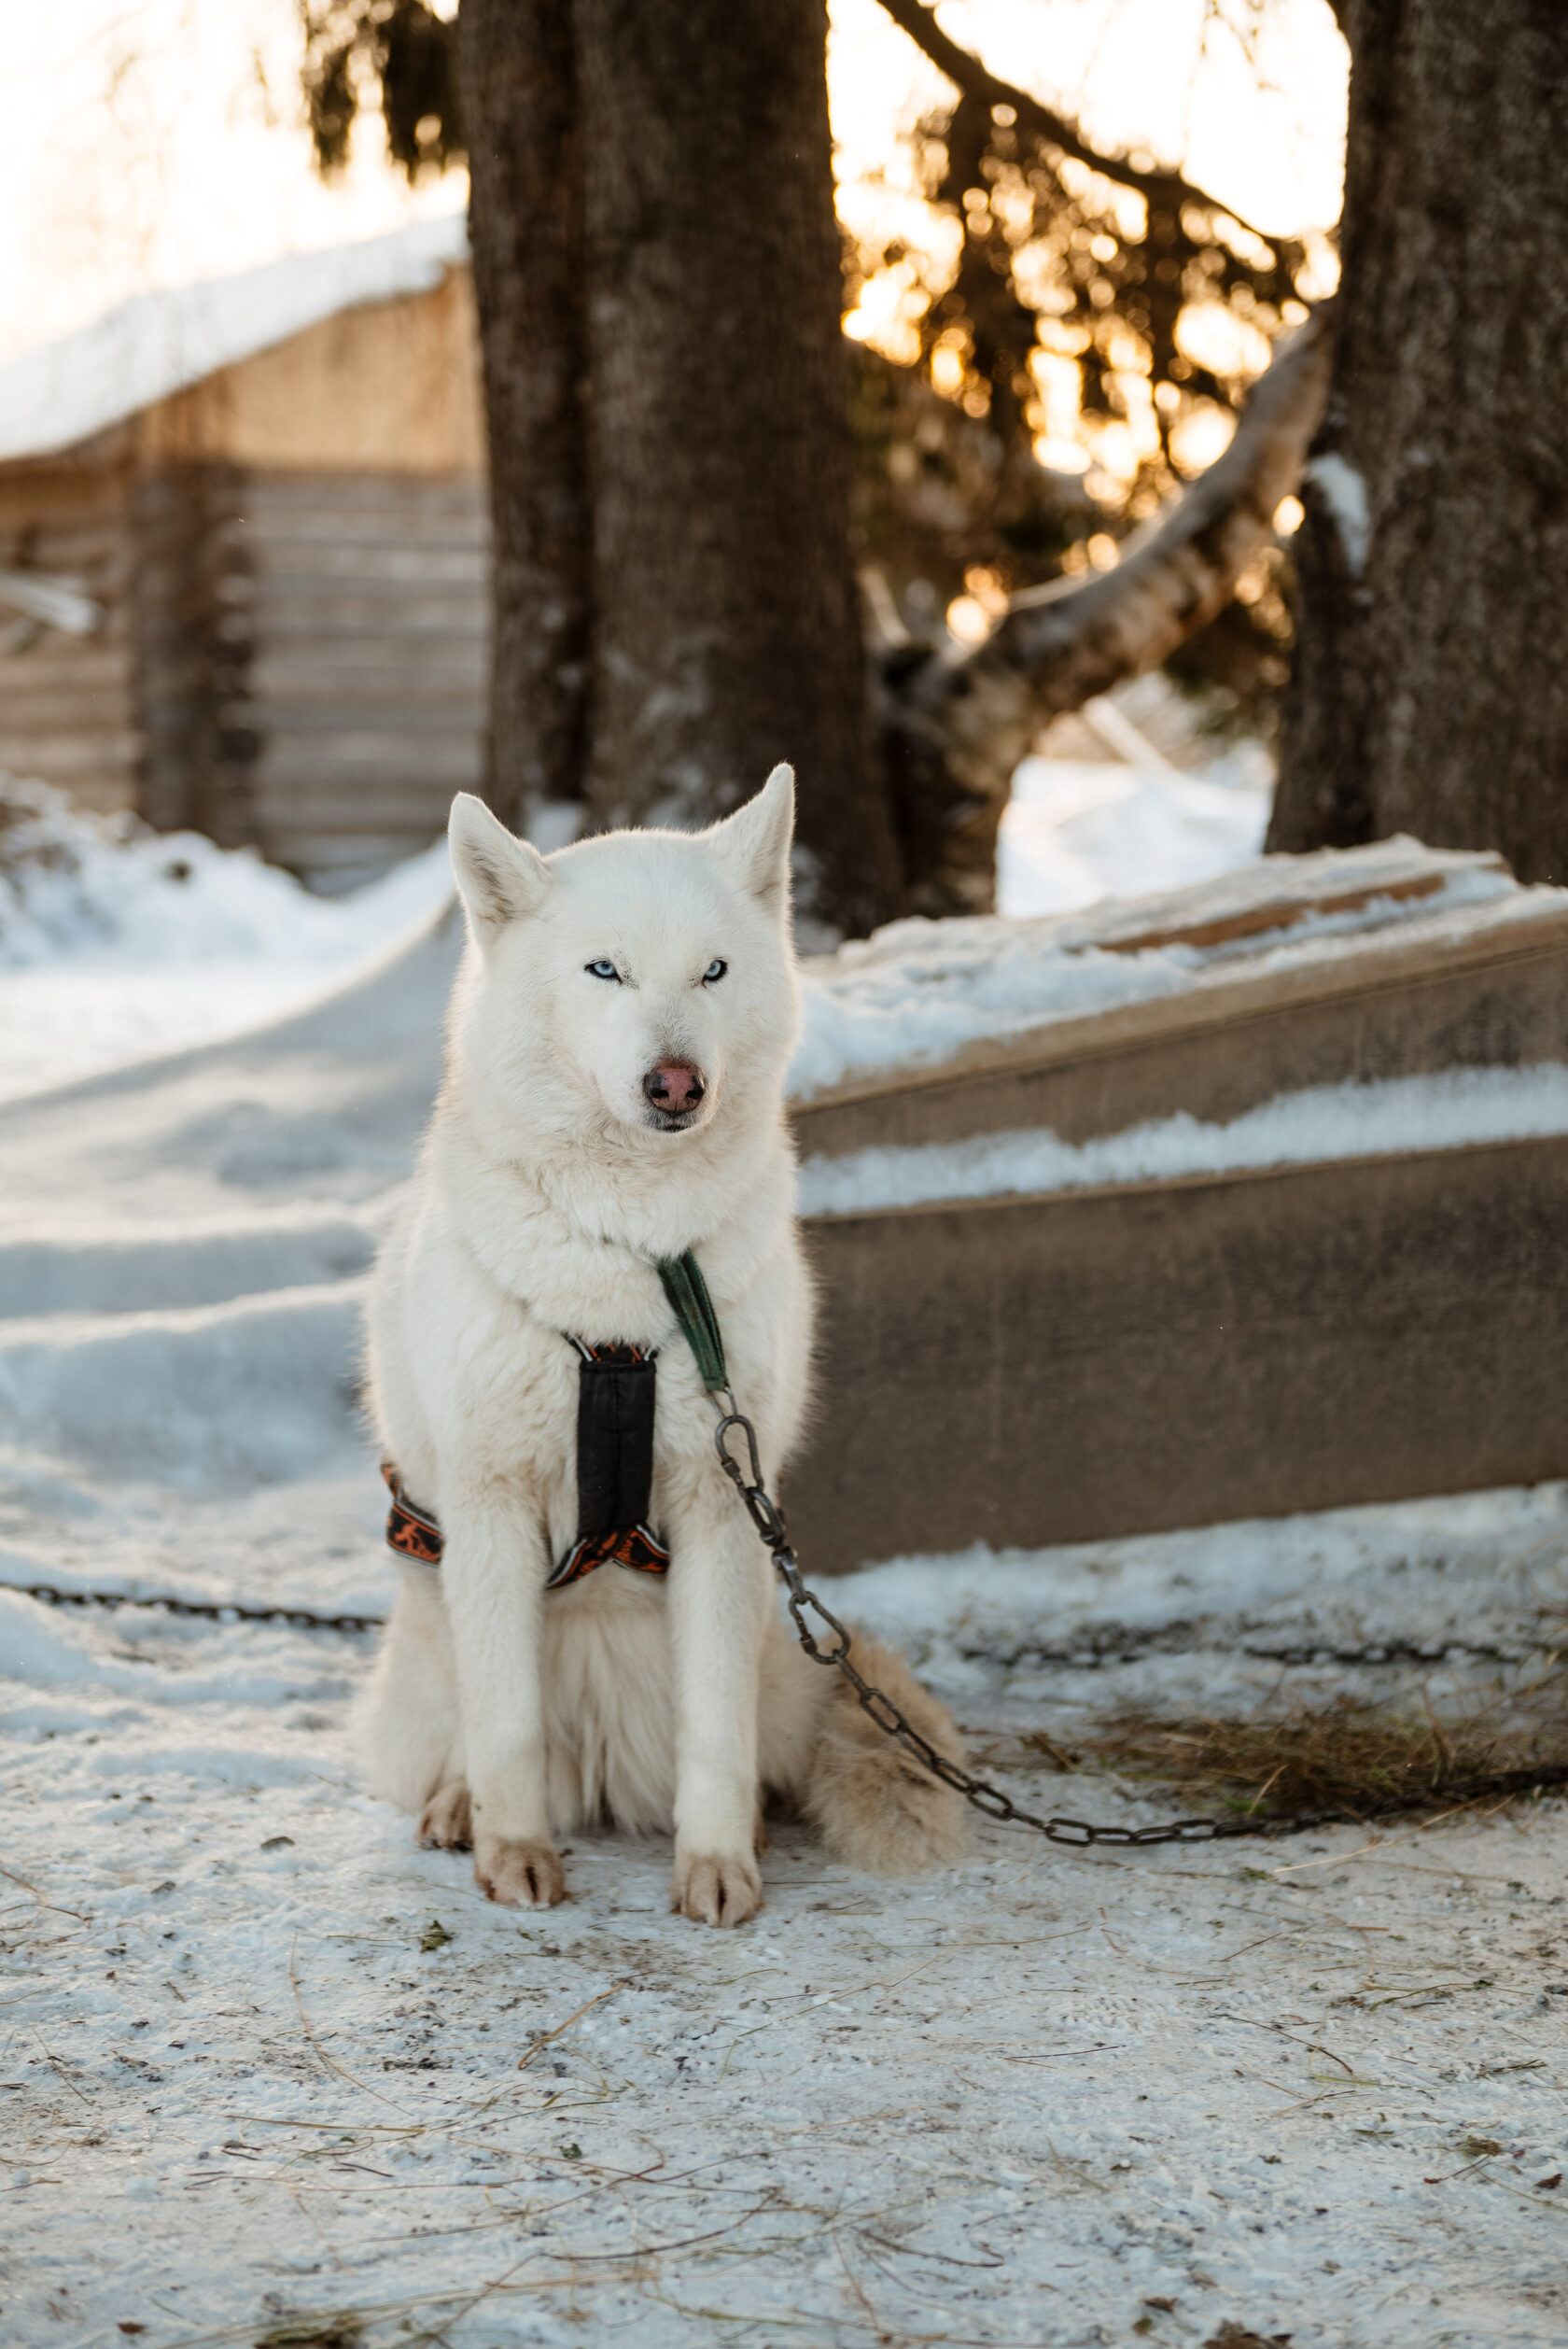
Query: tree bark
(521, 118)
(955, 724)
(726, 631)
(1431, 694)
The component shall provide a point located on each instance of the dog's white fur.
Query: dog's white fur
(547, 1189)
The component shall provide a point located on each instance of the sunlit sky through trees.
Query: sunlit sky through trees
(151, 142)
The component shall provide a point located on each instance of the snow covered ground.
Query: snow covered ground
(1076, 831)
(265, 2065)
(270, 2075)
(117, 943)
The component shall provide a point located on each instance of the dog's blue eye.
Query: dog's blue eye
(603, 968)
(715, 971)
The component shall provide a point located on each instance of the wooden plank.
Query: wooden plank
(291, 565)
(290, 761)
(348, 669)
(1129, 1360)
(280, 615)
(267, 494)
(68, 760)
(57, 663)
(61, 500)
(419, 820)
(306, 530)
(364, 855)
(414, 704)
(322, 815)
(29, 711)
(1450, 993)
(82, 538)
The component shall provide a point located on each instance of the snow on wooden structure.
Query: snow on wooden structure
(270, 491)
(1375, 1309)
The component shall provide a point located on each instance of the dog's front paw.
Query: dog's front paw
(518, 1875)
(714, 1891)
(446, 1822)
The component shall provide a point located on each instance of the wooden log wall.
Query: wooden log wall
(357, 614)
(310, 654)
(292, 557)
(190, 657)
(66, 702)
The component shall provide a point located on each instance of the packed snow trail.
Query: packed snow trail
(264, 2063)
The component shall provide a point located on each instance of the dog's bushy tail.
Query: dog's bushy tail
(873, 1805)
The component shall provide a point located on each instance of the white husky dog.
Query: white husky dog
(613, 1096)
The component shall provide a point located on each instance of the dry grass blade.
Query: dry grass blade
(545, 2038)
(1348, 1757)
(42, 1898)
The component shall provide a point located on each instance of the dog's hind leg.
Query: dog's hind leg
(446, 1822)
(406, 1727)
(873, 1804)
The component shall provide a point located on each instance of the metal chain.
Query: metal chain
(990, 1800)
(208, 1611)
(984, 1798)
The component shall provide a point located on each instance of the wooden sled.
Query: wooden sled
(1135, 1356)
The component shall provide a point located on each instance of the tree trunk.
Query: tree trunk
(521, 118)
(1431, 694)
(726, 631)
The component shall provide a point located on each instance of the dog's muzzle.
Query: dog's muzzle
(675, 1091)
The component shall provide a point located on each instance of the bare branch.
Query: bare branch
(1166, 190)
(958, 724)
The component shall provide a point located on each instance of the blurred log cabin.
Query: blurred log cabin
(243, 557)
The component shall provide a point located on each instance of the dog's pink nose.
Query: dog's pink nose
(674, 1087)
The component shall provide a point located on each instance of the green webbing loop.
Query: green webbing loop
(692, 1307)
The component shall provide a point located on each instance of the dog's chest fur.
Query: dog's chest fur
(486, 1282)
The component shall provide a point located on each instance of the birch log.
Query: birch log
(955, 722)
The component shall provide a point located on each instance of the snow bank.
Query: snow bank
(51, 1650)
(254, 1390)
(116, 941)
(155, 344)
(186, 1263)
(917, 991)
(109, 892)
(1077, 831)
(1453, 1110)
(1419, 1572)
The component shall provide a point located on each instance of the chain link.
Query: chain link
(205, 1610)
(1078, 1833)
(804, 1605)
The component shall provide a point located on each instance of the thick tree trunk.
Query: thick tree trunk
(522, 121)
(657, 269)
(726, 631)
(1431, 692)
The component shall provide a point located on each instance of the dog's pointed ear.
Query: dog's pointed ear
(754, 842)
(501, 878)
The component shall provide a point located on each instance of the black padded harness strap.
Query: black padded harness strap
(615, 1400)
(615, 1397)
